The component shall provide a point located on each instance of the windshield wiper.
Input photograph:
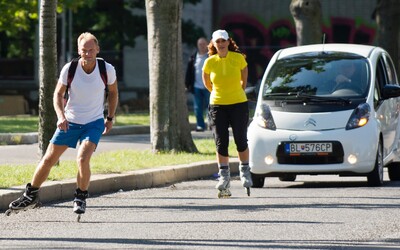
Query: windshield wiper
(317, 98)
(281, 94)
(306, 97)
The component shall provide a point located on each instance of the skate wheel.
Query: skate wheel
(221, 194)
(38, 205)
(248, 191)
(8, 212)
(224, 193)
(78, 218)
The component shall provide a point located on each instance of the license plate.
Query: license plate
(308, 148)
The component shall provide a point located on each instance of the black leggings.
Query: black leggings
(237, 117)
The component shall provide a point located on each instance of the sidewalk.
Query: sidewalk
(140, 179)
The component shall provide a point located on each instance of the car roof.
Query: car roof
(362, 50)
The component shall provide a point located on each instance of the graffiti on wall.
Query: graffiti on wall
(259, 42)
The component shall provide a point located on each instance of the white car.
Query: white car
(327, 109)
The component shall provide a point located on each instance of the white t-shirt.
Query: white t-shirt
(86, 93)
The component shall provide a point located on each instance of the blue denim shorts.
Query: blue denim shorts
(91, 131)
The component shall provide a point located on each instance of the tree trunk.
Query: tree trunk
(386, 15)
(47, 72)
(308, 20)
(170, 129)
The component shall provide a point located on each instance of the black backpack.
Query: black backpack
(71, 74)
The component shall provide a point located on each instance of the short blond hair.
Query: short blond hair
(87, 36)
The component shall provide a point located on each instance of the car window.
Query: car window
(382, 78)
(321, 76)
(390, 71)
(377, 92)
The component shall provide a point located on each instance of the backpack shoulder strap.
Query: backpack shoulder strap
(103, 71)
(71, 74)
(71, 71)
(103, 74)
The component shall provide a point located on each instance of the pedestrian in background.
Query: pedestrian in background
(225, 76)
(80, 120)
(194, 82)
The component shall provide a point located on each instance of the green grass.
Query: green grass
(27, 123)
(103, 163)
(18, 124)
(113, 162)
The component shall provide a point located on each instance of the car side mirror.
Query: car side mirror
(390, 91)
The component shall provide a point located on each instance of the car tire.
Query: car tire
(258, 180)
(375, 177)
(287, 177)
(394, 171)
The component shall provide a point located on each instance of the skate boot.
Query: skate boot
(245, 177)
(224, 183)
(80, 202)
(30, 199)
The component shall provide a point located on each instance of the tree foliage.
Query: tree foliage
(116, 23)
(16, 15)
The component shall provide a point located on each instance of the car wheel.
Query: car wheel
(394, 171)
(375, 177)
(258, 180)
(287, 177)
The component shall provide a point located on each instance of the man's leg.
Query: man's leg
(51, 157)
(83, 160)
(30, 197)
(198, 109)
(83, 178)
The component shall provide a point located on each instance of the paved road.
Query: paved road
(310, 213)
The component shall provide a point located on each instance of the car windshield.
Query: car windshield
(332, 76)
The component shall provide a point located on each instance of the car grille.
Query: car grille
(335, 157)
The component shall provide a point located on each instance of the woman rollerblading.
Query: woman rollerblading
(224, 183)
(245, 177)
(225, 76)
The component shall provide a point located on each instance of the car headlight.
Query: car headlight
(264, 117)
(359, 117)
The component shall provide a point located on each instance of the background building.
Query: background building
(260, 28)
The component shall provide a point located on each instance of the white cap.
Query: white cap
(220, 34)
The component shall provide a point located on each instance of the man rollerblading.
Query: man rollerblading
(245, 177)
(80, 202)
(84, 85)
(30, 199)
(224, 183)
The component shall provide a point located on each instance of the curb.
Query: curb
(31, 138)
(107, 183)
